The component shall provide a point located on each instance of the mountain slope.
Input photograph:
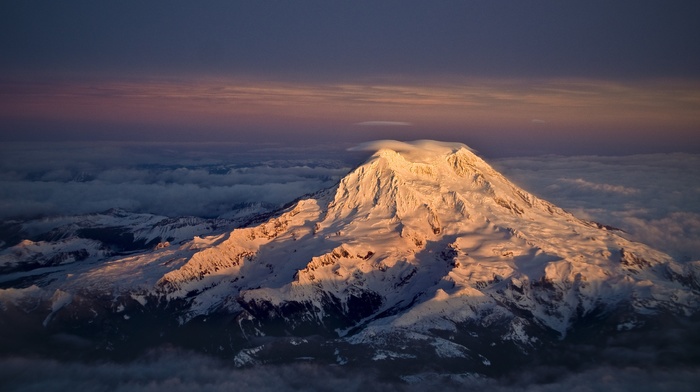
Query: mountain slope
(60, 240)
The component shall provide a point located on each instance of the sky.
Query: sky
(508, 78)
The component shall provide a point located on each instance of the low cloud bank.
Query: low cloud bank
(384, 124)
(183, 371)
(162, 179)
(655, 198)
(416, 145)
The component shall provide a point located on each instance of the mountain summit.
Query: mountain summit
(422, 252)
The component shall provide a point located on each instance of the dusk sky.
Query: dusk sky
(507, 77)
(119, 112)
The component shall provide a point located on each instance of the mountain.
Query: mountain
(58, 240)
(422, 257)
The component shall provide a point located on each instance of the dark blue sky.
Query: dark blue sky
(73, 51)
(618, 39)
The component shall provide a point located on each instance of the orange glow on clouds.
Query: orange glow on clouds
(459, 104)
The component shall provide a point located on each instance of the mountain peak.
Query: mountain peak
(429, 181)
(428, 156)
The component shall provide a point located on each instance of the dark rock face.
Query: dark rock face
(306, 318)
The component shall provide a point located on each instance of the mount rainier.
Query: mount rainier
(424, 258)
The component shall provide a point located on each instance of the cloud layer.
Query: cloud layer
(515, 114)
(157, 179)
(655, 198)
(183, 371)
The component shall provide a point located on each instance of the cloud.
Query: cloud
(452, 105)
(678, 232)
(583, 184)
(384, 124)
(185, 371)
(180, 371)
(174, 194)
(76, 180)
(537, 121)
(409, 146)
(655, 198)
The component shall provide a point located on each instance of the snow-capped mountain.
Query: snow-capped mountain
(51, 241)
(424, 252)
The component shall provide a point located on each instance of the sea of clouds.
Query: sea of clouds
(206, 180)
(176, 371)
(654, 198)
